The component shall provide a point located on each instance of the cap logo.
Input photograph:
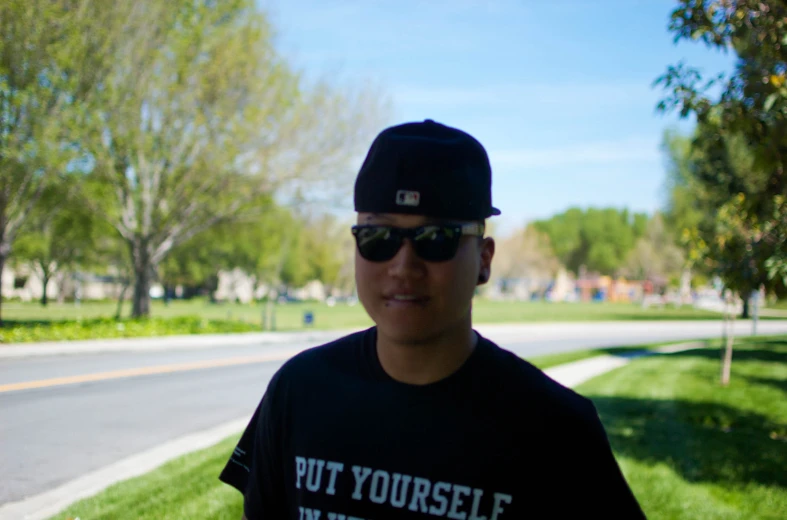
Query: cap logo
(408, 198)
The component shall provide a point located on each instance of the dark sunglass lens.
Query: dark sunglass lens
(437, 243)
(377, 244)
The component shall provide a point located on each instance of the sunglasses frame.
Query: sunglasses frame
(411, 233)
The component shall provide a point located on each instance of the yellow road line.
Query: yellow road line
(143, 371)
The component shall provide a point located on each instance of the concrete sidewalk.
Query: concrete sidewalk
(576, 373)
(45, 505)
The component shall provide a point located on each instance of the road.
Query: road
(63, 429)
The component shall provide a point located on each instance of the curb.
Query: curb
(577, 372)
(49, 503)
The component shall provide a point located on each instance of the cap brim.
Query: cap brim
(493, 212)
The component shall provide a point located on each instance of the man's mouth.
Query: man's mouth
(406, 298)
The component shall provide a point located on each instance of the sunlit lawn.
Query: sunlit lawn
(692, 449)
(689, 448)
(781, 304)
(290, 315)
(29, 322)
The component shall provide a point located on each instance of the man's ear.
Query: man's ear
(487, 253)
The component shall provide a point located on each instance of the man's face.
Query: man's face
(412, 300)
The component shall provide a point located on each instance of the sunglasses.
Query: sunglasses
(432, 242)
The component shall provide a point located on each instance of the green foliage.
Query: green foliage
(176, 116)
(50, 59)
(729, 222)
(754, 249)
(274, 247)
(526, 252)
(60, 234)
(656, 254)
(734, 166)
(103, 328)
(252, 244)
(83, 321)
(598, 239)
(329, 250)
(753, 100)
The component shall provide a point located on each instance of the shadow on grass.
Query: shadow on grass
(739, 354)
(703, 442)
(665, 316)
(779, 384)
(625, 352)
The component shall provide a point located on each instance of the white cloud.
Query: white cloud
(580, 154)
(584, 94)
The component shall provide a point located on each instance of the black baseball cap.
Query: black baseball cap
(426, 168)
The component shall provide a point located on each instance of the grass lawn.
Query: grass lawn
(550, 360)
(692, 449)
(31, 322)
(781, 304)
(187, 487)
(689, 448)
(289, 316)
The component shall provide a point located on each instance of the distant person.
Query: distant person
(420, 416)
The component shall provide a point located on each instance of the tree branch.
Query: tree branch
(14, 223)
(181, 232)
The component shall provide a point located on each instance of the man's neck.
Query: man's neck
(428, 362)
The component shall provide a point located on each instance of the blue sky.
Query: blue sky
(560, 93)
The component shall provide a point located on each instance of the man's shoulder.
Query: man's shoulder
(529, 387)
(340, 352)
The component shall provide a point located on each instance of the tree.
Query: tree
(200, 121)
(50, 59)
(59, 235)
(598, 239)
(253, 244)
(329, 249)
(729, 223)
(739, 150)
(655, 254)
(527, 252)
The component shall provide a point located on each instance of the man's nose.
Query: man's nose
(406, 263)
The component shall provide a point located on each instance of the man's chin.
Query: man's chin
(407, 334)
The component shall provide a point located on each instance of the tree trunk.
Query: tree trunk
(121, 299)
(726, 365)
(45, 281)
(61, 287)
(270, 319)
(140, 252)
(745, 313)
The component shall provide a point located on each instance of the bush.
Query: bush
(103, 328)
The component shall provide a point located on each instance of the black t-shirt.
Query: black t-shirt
(336, 438)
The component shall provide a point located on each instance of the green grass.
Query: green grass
(551, 360)
(519, 312)
(30, 322)
(23, 332)
(187, 487)
(693, 449)
(689, 448)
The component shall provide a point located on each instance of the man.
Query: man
(420, 416)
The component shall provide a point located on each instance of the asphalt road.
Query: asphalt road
(54, 434)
